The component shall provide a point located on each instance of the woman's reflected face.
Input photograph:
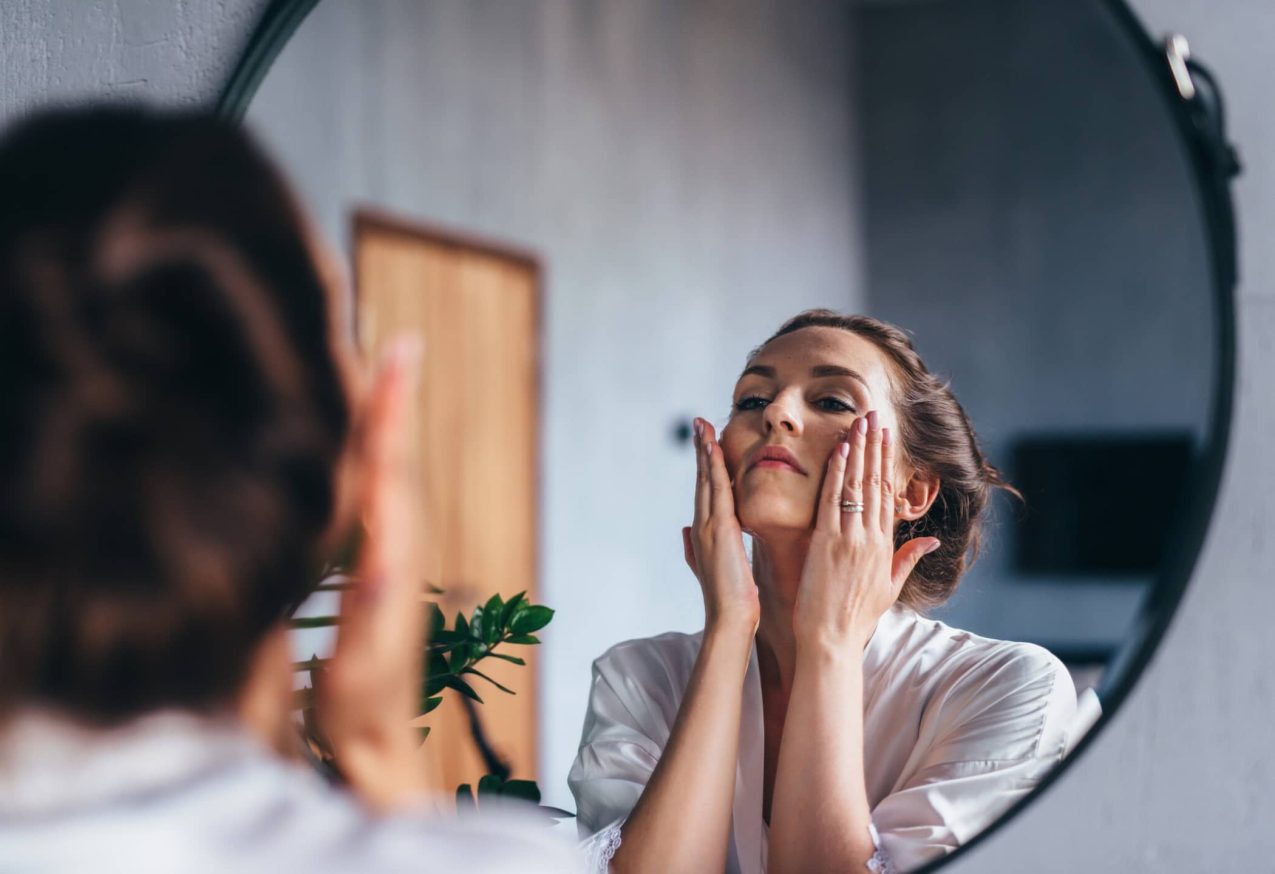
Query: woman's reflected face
(796, 399)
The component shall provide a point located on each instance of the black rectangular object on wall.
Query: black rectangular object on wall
(1097, 505)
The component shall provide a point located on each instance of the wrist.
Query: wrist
(737, 624)
(384, 776)
(828, 647)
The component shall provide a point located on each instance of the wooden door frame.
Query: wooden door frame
(375, 219)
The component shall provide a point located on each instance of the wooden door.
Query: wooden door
(476, 306)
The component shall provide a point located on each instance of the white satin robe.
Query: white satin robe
(178, 793)
(956, 728)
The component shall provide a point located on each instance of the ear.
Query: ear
(916, 496)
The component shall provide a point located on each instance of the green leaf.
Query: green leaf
(447, 638)
(532, 619)
(525, 639)
(489, 785)
(436, 665)
(508, 658)
(430, 704)
(525, 790)
(512, 605)
(424, 732)
(465, 799)
(479, 673)
(436, 621)
(461, 656)
(435, 685)
(495, 604)
(314, 621)
(454, 682)
(492, 629)
(462, 627)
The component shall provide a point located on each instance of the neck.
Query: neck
(777, 567)
(265, 701)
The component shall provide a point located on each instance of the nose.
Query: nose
(783, 414)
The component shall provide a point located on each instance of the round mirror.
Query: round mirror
(594, 213)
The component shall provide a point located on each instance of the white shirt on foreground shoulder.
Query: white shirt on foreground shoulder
(173, 792)
(956, 728)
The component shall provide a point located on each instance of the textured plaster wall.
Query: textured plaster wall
(171, 51)
(1184, 779)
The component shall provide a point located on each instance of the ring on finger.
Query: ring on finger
(851, 506)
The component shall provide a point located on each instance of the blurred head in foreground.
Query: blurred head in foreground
(172, 412)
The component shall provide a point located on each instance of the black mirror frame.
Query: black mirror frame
(1197, 110)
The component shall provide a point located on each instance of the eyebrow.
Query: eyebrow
(818, 370)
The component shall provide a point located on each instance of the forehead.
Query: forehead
(792, 355)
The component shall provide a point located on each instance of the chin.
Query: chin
(762, 516)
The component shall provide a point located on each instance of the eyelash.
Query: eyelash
(756, 402)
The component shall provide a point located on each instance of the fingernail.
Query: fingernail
(935, 544)
(885, 436)
(698, 427)
(862, 425)
(708, 449)
(403, 353)
(844, 449)
(872, 420)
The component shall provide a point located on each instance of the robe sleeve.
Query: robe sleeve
(633, 702)
(993, 735)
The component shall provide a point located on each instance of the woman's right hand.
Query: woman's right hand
(369, 693)
(714, 542)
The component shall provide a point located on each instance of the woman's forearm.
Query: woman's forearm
(820, 814)
(682, 821)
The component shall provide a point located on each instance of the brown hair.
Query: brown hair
(935, 437)
(171, 411)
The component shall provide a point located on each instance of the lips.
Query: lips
(777, 457)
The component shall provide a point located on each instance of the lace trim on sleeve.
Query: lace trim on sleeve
(879, 863)
(599, 849)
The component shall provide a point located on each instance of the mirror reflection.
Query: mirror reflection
(596, 215)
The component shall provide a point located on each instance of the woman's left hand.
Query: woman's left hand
(853, 574)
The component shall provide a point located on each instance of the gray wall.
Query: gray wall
(685, 171)
(1028, 214)
(1181, 781)
(172, 52)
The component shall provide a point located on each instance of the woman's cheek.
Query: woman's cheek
(731, 453)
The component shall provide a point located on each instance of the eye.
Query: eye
(834, 405)
(751, 402)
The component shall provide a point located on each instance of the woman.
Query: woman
(819, 722)
(182, 440)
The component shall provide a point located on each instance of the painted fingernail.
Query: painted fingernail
(862, 425)
(933, 546)
(844, 449)
(872, 420)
